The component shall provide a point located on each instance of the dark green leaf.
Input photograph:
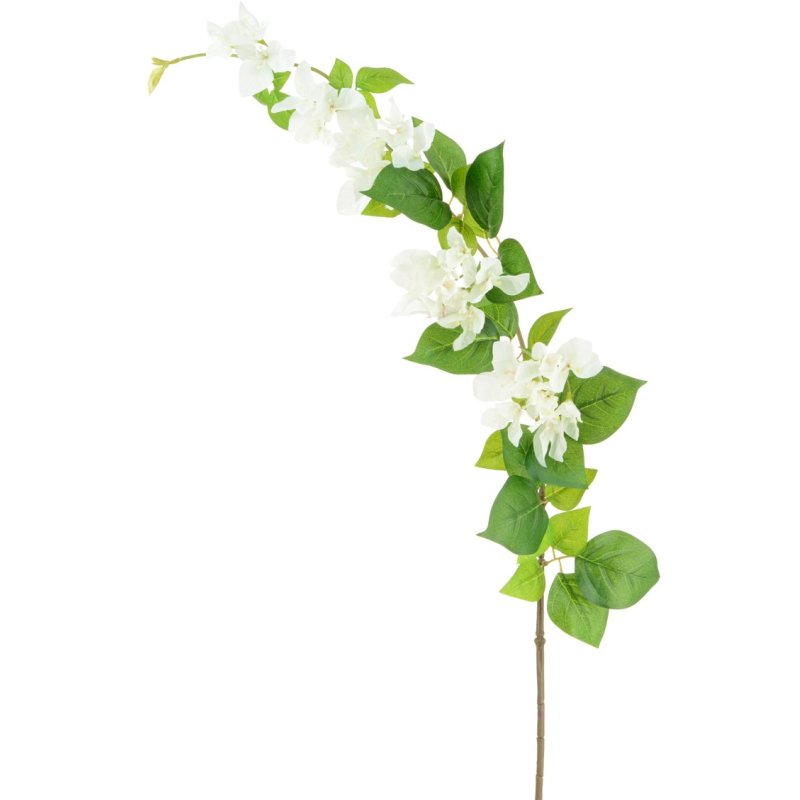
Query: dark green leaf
(566, 498)
(445, 156)
(545, 327)
(569, 531)
(378, 79)
(492, 455)
(517, 520)
(570, 472)
(377, 209)
(435, 348)
(341, 76)
(573, 613)
(515, 262)
(415, 193)
(604, 402)
(504, 316)
(528, 582)
(485, 188)
(616, 570)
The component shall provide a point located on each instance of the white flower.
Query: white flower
(419, 273)
(505, 415)
(472, 322)
(576, 355)
(225, 38)
(509, 377)
(490, 274)
(260, 62)
(549, 435)
(458, 257)
(407, 141)
(315, 105)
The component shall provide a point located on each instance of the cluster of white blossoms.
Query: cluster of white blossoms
(363, 144)
(446, 286)
(528, 386)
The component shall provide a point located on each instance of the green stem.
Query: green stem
(186, 58)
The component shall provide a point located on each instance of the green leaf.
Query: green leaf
(371, 102)
(545, 327)
(445, 156)
(616, 570)
(515, 456)
(573, 613)
(604, 402)
(269, 99)
(517, 520)
(435, 349)
(566, 498)
(515, 262)
(341, 75)
(155, 76)
(528, 582)
(570, 472)
(569, 531)
(279, 80)
(378, 79)
(415, 193)
(463, 229)
(504, 316)
(484, 188)
(458, 184)
(377, 209)
(492, 455)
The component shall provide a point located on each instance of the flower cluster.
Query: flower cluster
(529, 386)
(363, 142)
(447, 286)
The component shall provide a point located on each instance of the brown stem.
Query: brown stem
(539, 698)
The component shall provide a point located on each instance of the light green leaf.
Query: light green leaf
(458, 184)
(341, 75)
(485, 189)
(371, 102)
(528, 582)
(377, 209)
(435, 349)
(378, 79)
(504, 316)
(463, 229)
(566, 498)
(573, 613)
(569, 531)
(279, 80)
(545, 327)
(515, 456)
(515, 262)
(517, 520)
(616, 570)
(415, 193)
(269, 99)
(605, 402)
(445, 156)
(570, 472)
(492, 455)
(155, 77)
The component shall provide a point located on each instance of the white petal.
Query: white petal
(254, 77)
(504, 358)
(512, 284)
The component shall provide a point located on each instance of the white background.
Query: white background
(238, 555)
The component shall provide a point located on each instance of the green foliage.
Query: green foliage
(378, 79)
(515, 262)
(464, 229)
(371, 102)
(566, 498)
(517, 520)
(156, 75)
(445, 156)
(279, 80)
(492, 455)
(503, 316)
(569, 532)
(269, 99)
(573, 613)
(485, 189)
(545, 327)
(616, 570)
(341, 75)
(377, 209)
(570, 472)
(435, 349)
(515, 455)
(415, 193)
(528, 582)
(604, 402)
(458, 184)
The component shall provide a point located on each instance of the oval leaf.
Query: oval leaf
(517, 520)
(435, 349)
(415, 193)
(569, 531)
(566, 498)
(341, 75)
(445, 156)
(492, 455)
(616, 570)
(545, 327)
(573, 613)
(485, 189)
(528, 582)
(378, 79)
(570, 472)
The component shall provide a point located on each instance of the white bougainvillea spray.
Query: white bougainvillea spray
(547, 404)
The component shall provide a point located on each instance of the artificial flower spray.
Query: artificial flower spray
(548, 404)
